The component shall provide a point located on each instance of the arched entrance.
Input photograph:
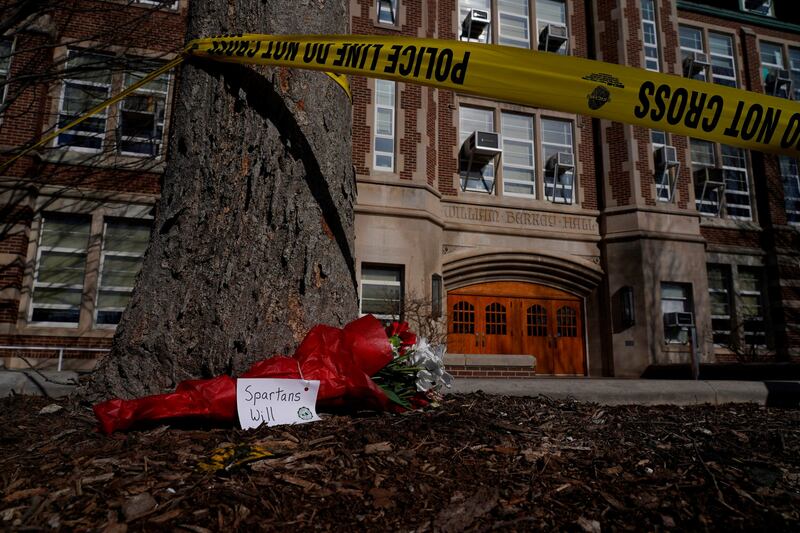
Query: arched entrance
(513, 317)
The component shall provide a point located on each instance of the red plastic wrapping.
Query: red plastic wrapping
(341, 359)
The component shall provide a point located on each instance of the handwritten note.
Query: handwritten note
(276, 402)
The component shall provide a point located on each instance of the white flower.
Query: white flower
(432, 374)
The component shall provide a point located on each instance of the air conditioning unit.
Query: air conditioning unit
(481, 147)
(694, 64)
(777, 79)
(552, 37)
(665, 157)
(710, 177)
(678, 319)
(473, 25)
(560, 163)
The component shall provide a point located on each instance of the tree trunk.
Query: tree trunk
(252, 242)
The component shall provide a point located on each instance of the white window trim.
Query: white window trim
(101, 114)
(376, 135)
(526, 17)
(645, 45)
(746, 193)
(531, 168)
(568, 148)
(159, 142)
(732, 58)
(46, 285)
(660, 185)
(400, 269)
(393, 5)
(115, 84)
(770, 11)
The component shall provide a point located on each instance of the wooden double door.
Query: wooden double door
(519, 318)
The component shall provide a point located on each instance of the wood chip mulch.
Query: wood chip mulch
(478, 463)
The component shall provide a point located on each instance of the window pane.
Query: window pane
(551, 11)
(381, 291)
(70, 233)
(127, 237)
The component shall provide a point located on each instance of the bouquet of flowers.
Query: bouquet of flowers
(359, 366)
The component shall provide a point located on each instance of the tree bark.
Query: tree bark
(252, 242)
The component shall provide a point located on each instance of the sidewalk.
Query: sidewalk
(43, 382)
(619, 391)
(606, 391)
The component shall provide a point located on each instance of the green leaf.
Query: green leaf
(395, 398)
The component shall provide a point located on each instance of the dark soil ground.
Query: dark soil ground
(477, 463)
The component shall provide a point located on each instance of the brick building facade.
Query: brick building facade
(533, 266)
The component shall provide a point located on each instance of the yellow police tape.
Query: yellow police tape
(538, 79)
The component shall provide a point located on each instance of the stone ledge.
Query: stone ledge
(494, 360)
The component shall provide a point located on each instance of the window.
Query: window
(61, 261)
(141, 115)
(725, 192)
(464, 6)
(723, 67)
(566, 322)
(60, 270)
(664, 181)
(519, 174)
(791, 189)
(760, 7)
(382, 291)
(752, 306)
(384, 125)
(87, 82)
(90, 78)
(537, 321)
(463, 318)
(166, 4)
(737, 189)
(436, 296)
(473, 119)
(6, 46)
(495, 314)
(675, 298)
(794, 72)
(650, 32)
(719, 288)
(556, 140)
(719, 50)
(772, 64)
(515, 22)
(517, 169)
(387, 11)
(124, 244)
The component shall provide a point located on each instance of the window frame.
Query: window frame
(400, 270)
(789, 200)
(101, 267)
(665, 174)
(394, 9)
(726, 279)
(532, 26)
(646, 22)
(770, 9)
(723, 210)
(705, 43)
(6, 76)
(376, 135)
(539, 161)
(110, 141)
(144, 90)
(688, 307)
(40, 249)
